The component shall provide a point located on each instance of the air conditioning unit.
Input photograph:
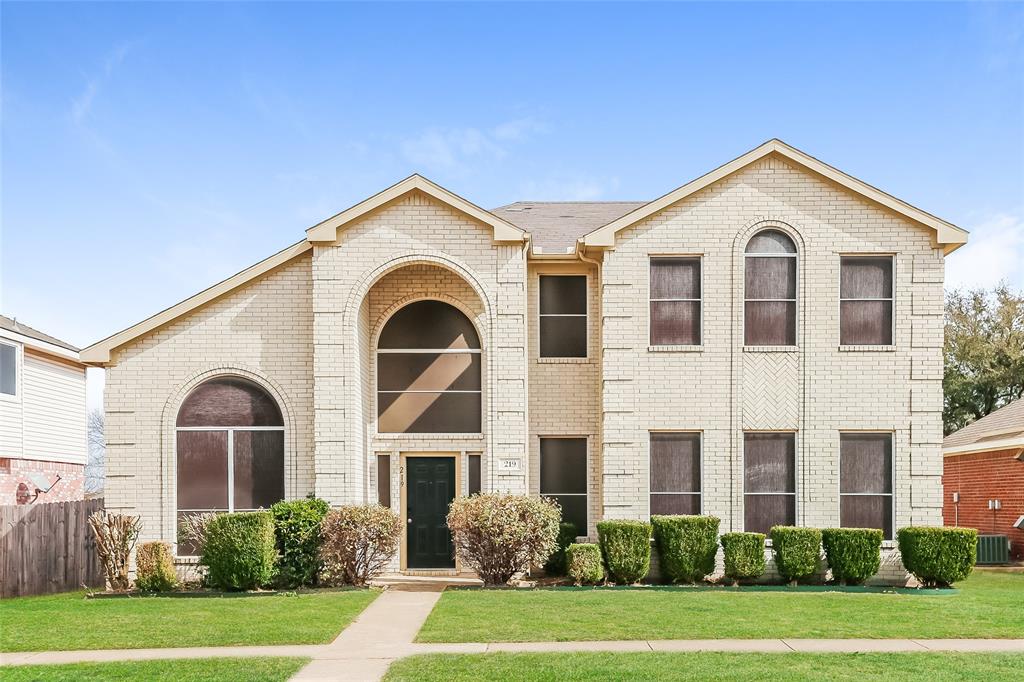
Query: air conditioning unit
(993, 549)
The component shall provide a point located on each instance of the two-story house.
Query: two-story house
(762, 344)
(43, 442)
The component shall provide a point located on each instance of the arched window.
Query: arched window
(769, 307)
(428, 371)
(230, 449)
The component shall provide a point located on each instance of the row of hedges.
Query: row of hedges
(687, 546)
(296, 543)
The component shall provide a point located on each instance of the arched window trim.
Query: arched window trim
(377, 392)
(794, 300)
(229, 432)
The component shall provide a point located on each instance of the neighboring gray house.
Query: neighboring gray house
(763, 344)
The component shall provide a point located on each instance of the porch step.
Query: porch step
(405, 582)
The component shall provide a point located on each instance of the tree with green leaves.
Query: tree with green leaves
(984, 353)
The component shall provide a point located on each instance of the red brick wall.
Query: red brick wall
(17, 488)
(980, 477)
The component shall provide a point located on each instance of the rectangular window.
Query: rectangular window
(473, 481)
(769, 481)
(865, 481)
(563, 477)
(8, 369)
(865, 301)
(675, 473)
(769, 317)
(563, 316)
(384, 480)
(675, 302)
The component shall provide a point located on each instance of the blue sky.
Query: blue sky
(150, 150)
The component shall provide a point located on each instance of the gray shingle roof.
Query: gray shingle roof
(13, 325)
(1005, 422)
(556, 225)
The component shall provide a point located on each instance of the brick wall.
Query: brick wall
(980, 477)
(17, 488)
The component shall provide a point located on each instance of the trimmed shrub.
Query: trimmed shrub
(583, 563)
(154, 568)
(357, 542)
(626, 548)
(687, 546)
(797, 551)
(556, 563)
(238, 550)
(744, 555)
(938, 557)
(500, 535)
(853, 554)
(297, 534)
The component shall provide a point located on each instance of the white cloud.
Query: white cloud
(455, 149)
(994, 253)
(81, 106)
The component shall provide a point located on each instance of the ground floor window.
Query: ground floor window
(769, 480)
(675, 475)
(563, 477)
(865, 481)
(230, 450)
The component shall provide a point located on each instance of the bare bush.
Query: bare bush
(115, 538)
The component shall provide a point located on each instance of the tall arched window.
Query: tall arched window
(230, 449)
(769, 307)
(428, 371)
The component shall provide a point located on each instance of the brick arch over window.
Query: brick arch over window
(179, 402)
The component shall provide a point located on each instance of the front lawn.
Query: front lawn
(70, 621)
(987, 605)
(561, 667)
(179, 670)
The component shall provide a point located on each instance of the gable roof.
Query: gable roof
(1003, 428)
(555, 226)
(99, 352)
(949, 236)
(12, 325)
(327, 231)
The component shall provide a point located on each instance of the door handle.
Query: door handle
(410, 520)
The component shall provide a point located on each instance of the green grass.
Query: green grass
(190, 670)
(987, 605)
(70, 621)
(930, 667)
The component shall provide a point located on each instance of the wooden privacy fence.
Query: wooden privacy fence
(48, 548)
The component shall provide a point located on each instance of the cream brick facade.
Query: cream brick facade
(306, 330)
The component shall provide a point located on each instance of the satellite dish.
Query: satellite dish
(41, 482)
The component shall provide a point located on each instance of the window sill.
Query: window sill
(771, 349)
(428, 436)
(675, 349)
(867, 349)
(563, 361)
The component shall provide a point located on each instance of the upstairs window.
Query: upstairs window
(8, 369)
(769, 310)
(428, 371)
(865, 481)
(675, 302)
(563, 316)
(865, 301)
(769, 481)
(675, 473)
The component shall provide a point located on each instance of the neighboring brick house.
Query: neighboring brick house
(715, 350)
(983, 464)
(43, 445)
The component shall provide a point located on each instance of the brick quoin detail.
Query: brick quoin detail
(980, 477)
